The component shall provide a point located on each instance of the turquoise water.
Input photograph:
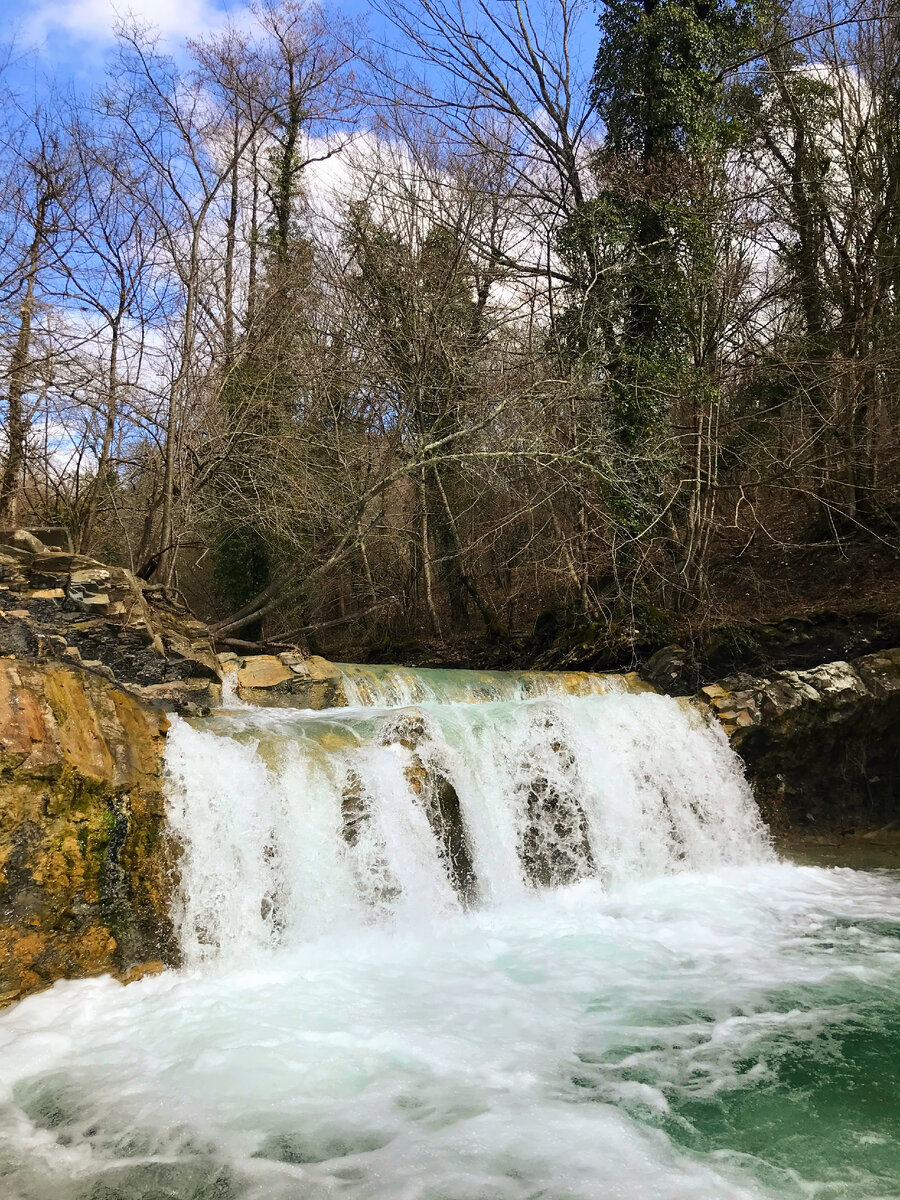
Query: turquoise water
(697, 1036)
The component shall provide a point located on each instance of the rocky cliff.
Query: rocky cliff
(85, 870)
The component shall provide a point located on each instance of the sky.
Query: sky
(70, 40)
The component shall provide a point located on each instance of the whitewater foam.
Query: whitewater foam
(293, 823)
(674, 1041)
(506, 950)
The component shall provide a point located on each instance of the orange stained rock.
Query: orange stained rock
(22, 724)
(82, 758)
(81, 740)
(154, 967)
(27, 949)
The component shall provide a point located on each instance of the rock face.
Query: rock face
(290, 680)
(821, 747)
(85, 871)
(55, 605)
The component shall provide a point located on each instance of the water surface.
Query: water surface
(680, 1016)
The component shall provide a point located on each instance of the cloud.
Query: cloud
(95, 20)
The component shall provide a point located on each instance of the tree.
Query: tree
(43, 177)
(648, 297)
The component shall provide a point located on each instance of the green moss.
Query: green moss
(71, 791)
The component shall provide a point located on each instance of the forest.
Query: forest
(467, 328)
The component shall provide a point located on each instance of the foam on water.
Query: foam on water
(685, 1018)
(614, 787)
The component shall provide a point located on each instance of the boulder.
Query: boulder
(289, 680)
(672, 670)
(263, 671)
(22, 539)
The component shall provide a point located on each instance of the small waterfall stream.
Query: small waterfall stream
(462, 793)
(473, 937)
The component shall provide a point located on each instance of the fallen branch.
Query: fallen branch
(258, 647)
(337, 621)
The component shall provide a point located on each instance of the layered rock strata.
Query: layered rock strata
(60, 606)
(821, 747)
(289, 680)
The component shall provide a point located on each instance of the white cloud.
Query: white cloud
(95, 20)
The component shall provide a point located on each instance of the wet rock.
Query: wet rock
(440, 801)
(378, 887)
(84, 863)
(289, 680)
(555, 847)
(821, 746)
(431, 785)
(355, 811)
(672, 670)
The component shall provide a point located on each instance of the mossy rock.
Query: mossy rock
(85, 873)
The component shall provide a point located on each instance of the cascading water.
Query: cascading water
(413, 814)
(400, 686)
(528, 948)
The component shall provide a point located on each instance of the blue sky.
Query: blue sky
(70, 40)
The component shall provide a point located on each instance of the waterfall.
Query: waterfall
(484, 936)
(421, 804)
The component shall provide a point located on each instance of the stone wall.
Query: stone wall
(821, 747)
(85, 868)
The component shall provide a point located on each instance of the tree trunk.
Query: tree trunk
(427, 573)
(17, 425)
(230, 240)
(86, 525)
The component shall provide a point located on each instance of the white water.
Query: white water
(685, 1019)
(615, 787)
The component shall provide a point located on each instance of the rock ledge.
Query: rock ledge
(821, 747)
